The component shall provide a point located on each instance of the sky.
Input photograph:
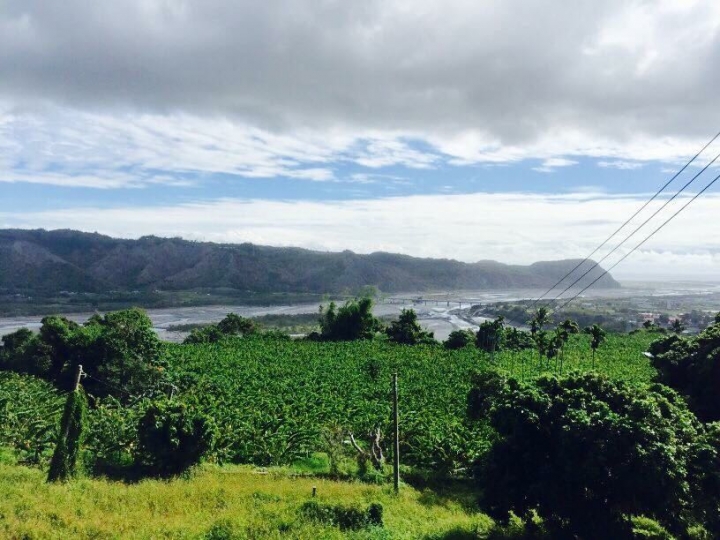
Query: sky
(510, 130)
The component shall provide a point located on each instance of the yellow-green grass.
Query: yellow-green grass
(247, 502)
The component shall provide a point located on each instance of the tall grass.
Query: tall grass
(215, 502)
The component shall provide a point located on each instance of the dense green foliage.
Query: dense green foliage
(344, 517)
(351, 321)
(692, 366)
(172, 437)
(273, 400)
(231, 325)
(120, 349)
(64, 462)
(459, 339)
(562, 425)
(30, 411)
(586, 452)
(406, 330)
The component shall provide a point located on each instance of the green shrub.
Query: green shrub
(347, 518)
(172, 438)
(222, 530)
(459, 339)
(647, 529)
(585, 452)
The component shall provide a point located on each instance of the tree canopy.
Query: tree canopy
(353, 320)
(585, 453)
(406, 330)
(231, 325)
(120, 351)
(692, 366)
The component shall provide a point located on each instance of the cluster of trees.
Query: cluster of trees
(586, 454)
(493, 336)
(691, 365)
(120, 352)
(677, 326)
(231, 325)
(354, 320)
(122, 359)
(523, 310)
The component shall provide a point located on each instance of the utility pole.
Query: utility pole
(78, 374)
(396, 438)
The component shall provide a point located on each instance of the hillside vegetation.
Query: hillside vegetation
(38, 261)
(550, 426)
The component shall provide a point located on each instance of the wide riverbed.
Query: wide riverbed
(436, 311)
(433, 317)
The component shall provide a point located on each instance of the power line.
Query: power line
(109, 385)
(633, 233)
(657, 193)
(641, 243)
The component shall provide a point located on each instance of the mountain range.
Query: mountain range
(48, 262)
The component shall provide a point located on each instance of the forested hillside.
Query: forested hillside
(46, 262)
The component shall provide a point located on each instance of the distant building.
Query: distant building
(645, 317)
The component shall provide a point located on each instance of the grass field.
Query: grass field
(218, 502)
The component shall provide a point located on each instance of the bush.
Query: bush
(459, 339)
(407, 331)
(692, 367)
(231, 325)
(345, 517)
(172, 438)
(222, 530)
(585, 452)
(647, 529)
(207, 334)
(22, 353)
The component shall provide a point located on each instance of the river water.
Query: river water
(436, 311)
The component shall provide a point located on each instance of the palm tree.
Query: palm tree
(597, 335)
(677, 326)
(562, 335)
(569, 326)
(559, 341)
(540, 319)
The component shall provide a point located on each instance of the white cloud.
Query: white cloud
(621, 165)
(365, 178)
(513, 228)
(549, 165)
(74, 148)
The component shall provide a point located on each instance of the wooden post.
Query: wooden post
(78, 374)
(396, 438)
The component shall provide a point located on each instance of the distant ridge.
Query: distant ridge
(63, 260)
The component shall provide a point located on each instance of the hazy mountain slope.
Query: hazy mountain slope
(50, 261)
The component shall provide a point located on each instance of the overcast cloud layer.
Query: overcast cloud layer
(185, 98)
(513, 71)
